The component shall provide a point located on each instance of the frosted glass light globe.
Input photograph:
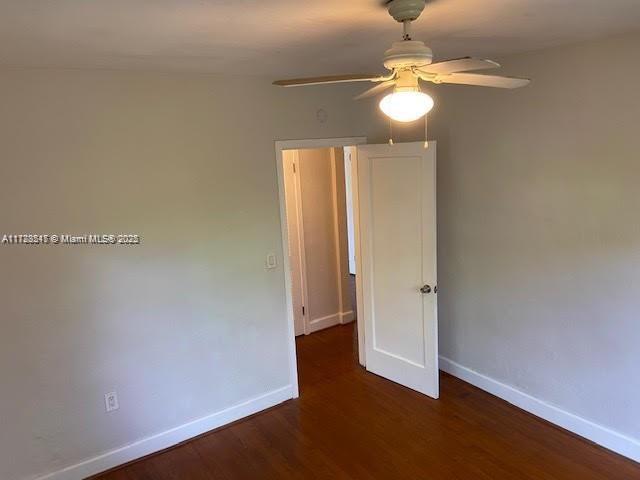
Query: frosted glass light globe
(406, 106)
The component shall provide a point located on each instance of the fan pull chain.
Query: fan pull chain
(390, 132)
(426, 136)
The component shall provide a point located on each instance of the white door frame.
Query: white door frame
(281, 145)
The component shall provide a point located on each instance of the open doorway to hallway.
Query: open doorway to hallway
(321, 240)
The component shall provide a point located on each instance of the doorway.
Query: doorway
(318, 226)
(319, 230)
(395, 257)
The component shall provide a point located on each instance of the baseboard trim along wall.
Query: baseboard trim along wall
(617, 442)
(169, 438)
(330, 320)
(324, 322)
(346, 317)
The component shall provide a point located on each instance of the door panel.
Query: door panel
(398, 242)
(395, 242)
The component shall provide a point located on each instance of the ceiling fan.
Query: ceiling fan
(409, 62)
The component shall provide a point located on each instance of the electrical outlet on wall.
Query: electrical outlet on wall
(111, 401)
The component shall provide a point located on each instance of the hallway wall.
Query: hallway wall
(323, 213)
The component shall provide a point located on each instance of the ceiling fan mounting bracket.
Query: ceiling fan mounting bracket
(406, 10)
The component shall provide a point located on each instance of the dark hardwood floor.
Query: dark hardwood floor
(350, 424)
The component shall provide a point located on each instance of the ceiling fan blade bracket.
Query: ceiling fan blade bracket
(385, 78)
(379, 88)
(424, 76)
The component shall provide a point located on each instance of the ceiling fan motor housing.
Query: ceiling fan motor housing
(406, 10)
(408, 53)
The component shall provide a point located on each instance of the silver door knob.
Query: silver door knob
(425, 289)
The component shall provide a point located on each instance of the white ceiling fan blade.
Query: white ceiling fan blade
(295, 82)
(459, 65)
(483, 80)
(381, 87)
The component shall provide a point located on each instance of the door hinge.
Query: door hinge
(294, 167)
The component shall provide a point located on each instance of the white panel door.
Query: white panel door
(290, 162)
(397, 205)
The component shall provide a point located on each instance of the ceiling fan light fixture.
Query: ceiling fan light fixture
(410, 61)
(406, 105)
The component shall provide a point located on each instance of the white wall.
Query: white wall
(538, 243)
(322, 194)
(539, 233)
(340, 208)
(185, 325)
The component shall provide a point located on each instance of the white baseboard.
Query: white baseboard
(324, 322)
(617, 442)
(346, 317)
(169, 438)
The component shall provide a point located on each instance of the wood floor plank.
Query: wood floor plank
(181, 463)
(353, 425)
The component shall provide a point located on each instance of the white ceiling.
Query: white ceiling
(283, 38)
